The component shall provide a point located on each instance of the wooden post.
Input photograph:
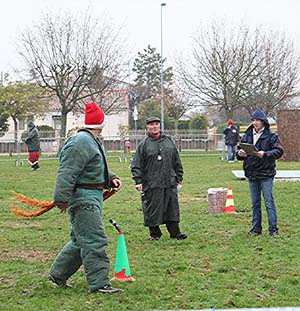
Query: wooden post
(288, 126)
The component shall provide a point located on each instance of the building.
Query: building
(116, 118)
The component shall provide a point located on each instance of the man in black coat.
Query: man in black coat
(260, 170)
(232, 137)
(158, 173)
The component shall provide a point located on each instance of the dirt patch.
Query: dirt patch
(25, 225)
(184, 200)
(245, 219)
(26, 254)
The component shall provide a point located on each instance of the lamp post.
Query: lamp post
(162, 121)
(135, 118)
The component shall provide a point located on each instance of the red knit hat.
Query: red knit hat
(230, 121)
(94, 116)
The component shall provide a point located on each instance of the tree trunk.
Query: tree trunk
(63, 130)
(176, 125)
(15, 149)
(15, 129)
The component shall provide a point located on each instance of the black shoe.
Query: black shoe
(253, 232)
(179, 236)
(274, 233)
(109, 290)
(154, 238)
(58, 282)
(35, 167)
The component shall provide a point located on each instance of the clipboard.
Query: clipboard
(249, 148)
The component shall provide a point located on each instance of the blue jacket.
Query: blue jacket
(257, 168)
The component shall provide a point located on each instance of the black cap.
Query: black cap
(152, 119)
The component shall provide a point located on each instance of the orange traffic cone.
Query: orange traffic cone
(229, 207)
(122, 269)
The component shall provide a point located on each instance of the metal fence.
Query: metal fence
(123, 145)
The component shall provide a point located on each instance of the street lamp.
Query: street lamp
(162, 121)
(135, 118)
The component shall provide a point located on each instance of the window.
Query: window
(21, 125)
(56, 122)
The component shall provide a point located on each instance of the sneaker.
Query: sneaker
(153, 238)
(58, 282)
(179, 236)
(252, 232)
(109, 290)
(274, 233)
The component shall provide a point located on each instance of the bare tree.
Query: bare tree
(178, 103)
(277, 75)
(238, 68)
(75, 61)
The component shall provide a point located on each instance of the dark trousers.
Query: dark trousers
(172, 227)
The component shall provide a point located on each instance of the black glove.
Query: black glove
(62, 205)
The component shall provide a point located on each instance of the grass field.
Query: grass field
(218, 266)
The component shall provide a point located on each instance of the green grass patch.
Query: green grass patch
(218, 266)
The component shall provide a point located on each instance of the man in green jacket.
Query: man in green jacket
(158, 174)
(33, 144)
(82, 176)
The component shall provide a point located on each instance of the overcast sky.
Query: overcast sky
(140, 20)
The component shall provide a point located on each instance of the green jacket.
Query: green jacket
(33, 139)
(81, 162)
(148, 170)
(157, 166)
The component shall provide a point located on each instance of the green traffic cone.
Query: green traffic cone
(122, 269)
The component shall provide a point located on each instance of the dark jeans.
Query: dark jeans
(230, 152)
(264, 187)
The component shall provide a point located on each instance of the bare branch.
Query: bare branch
(74, 61)
(239, 68)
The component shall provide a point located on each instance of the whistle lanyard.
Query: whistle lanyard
(159, 156)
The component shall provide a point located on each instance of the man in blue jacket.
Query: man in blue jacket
(260, 170)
